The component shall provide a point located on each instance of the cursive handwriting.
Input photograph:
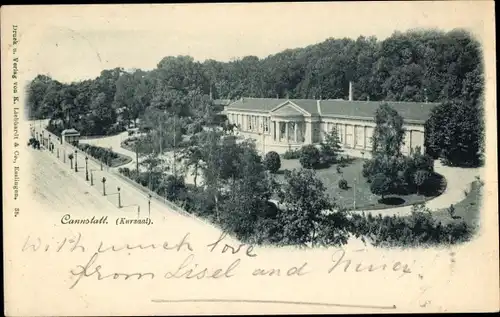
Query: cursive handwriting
(229, 248)
(195, 272)
(88, 271)
(338, 259)
(165, 246)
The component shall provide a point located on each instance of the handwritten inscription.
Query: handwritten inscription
(190, 268)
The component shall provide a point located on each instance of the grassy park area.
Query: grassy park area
(358, 187)
(467, 210)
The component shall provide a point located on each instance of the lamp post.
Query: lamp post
(354, 203)
(64, 156)
(103, 186)
(50, 144)
(119, 198)
(57, 150)
(101, 164)
(76, 161)
(86, 169)
(91, 178)
(149, 205)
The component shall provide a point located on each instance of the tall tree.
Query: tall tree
(304, 198)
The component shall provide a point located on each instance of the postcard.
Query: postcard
(249, 158)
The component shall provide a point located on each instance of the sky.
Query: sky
(72, 43)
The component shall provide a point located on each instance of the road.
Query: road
(63, 189)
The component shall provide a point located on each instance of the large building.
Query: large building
(283, 124)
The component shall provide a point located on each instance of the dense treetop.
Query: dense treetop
(418, 65)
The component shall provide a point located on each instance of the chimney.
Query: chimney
(350, 91)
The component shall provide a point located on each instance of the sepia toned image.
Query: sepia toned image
(271, 158)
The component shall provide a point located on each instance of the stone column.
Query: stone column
(278, 131)
(409, 140)
(287, 127)
(295, 132)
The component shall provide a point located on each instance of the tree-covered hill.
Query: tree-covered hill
(417, 65)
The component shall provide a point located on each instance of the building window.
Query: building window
(266, 125)
(249, 121)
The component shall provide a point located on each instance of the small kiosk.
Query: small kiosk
(70, 136)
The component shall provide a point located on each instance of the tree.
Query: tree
(309, 156)
(151, 162)
(272, 162)
(388, 133)
(246, 202)
(381, 185)
(305, 200)
(454, 132)
(421, 177)
(193, 157)
(331, 148)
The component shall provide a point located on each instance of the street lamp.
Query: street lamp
(103, 186)
(354, 203)
(119, 198)
(76, 161)
(91, 178)
(57, 152)
(86, 169)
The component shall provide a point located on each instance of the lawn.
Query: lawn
(466, 210)
(352, 173)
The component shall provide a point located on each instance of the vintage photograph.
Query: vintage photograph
(381, 139)
(341, 137)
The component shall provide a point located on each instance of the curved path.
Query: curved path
(458, 179)
(115, 143)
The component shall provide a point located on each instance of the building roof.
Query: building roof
(221, 102)
(70, 131)
(410, 111)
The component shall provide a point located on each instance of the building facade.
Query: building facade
(283, 124)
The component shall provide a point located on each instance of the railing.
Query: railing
(138, 186)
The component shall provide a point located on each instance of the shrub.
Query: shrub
(343, 184)
(368, 169)
(309, 156)
(339, 170)
(451, 211)
(421, 178)
(272, 162)
(380, 185)
(291, 154)
(173, 188)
